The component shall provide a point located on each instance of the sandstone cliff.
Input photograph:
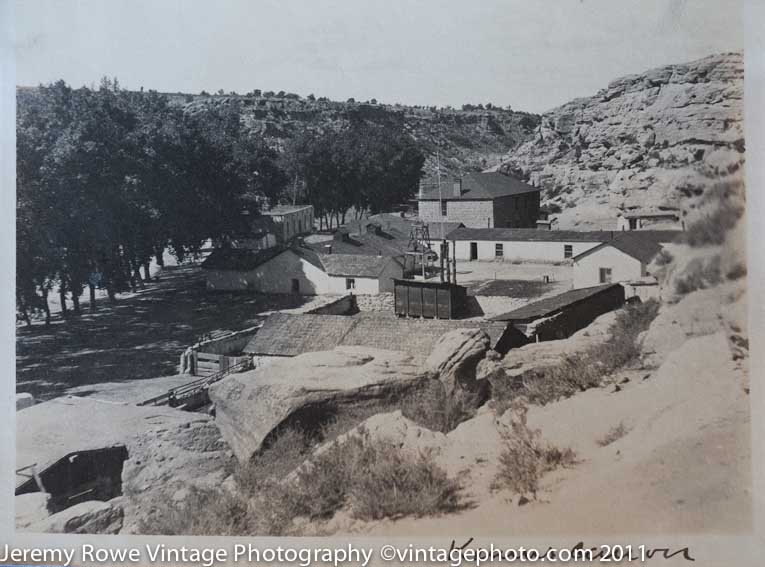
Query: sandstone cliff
(657, 139)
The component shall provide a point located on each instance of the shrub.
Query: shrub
(375, 478)
(433, 409)
(613, 434)
(728, 199)
(700, 273)
(525, 458)
(578, 372)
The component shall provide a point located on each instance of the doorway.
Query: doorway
(474, 251)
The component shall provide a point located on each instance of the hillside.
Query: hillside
(468, 140)
(659, 138)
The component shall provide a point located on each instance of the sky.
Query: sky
(532, 55)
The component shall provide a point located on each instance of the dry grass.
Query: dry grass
(700, 273)
(614, 434)
(579, 372)
(372, 479)
(433, 409)
(525, 458)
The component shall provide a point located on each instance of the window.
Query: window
(605, 275)
(295, 285)
(499, 250)
(443, 208)
(568, 250)
(350, 283)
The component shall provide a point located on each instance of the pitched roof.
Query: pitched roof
(285, 209)
(529, 235)
(489, 185)
(239, 259)
(551, 305)
(354, 265)
(365, 244)
(633, 243)
(285, 334)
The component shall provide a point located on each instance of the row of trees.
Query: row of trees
(109, 179)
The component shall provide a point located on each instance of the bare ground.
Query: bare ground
(139, 337)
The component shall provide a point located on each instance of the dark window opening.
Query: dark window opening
(605, 275)
(350, 283)
(295, 285)
(443, 208)
(499, 250)
(568, 250)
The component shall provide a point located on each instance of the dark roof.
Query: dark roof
(651, 213)
(285, 334)
(537, 235)
(529, 234)
(239, 259)
(633, 243)
(492, 185)
(285, 209)
(355, 265)
(551, 305)
(440, 230)
(365, 244)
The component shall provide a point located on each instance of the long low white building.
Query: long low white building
(534, 245)
(300, 271)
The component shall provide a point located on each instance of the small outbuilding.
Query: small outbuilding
(562, 315)
(623, 259)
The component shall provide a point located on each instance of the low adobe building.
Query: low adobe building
(522, 244)
(300, 271)
(480, 200)
(292, 220)
(622, 259)
(562, 315)
(649, 219)
(535, 245)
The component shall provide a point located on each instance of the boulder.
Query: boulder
(24, 400)
(165, 463)
(91, 517)
(455, 357)
(30, 508)
(307, 388)
(525, 362)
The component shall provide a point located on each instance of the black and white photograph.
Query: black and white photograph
(387, 270)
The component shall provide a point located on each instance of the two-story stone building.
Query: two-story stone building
(480, 200)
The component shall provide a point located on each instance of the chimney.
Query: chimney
(458, 188)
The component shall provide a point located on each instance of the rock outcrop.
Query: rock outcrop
(657, 139)
(24, 400)
(454, 359)
(306, 389)
(166, 463)
(168, 451)
(30, 509)
(525, 362)
(91, 517)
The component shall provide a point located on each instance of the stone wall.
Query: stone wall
(379, 302)
(345, 305)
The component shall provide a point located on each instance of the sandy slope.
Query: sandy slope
(683, 467)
